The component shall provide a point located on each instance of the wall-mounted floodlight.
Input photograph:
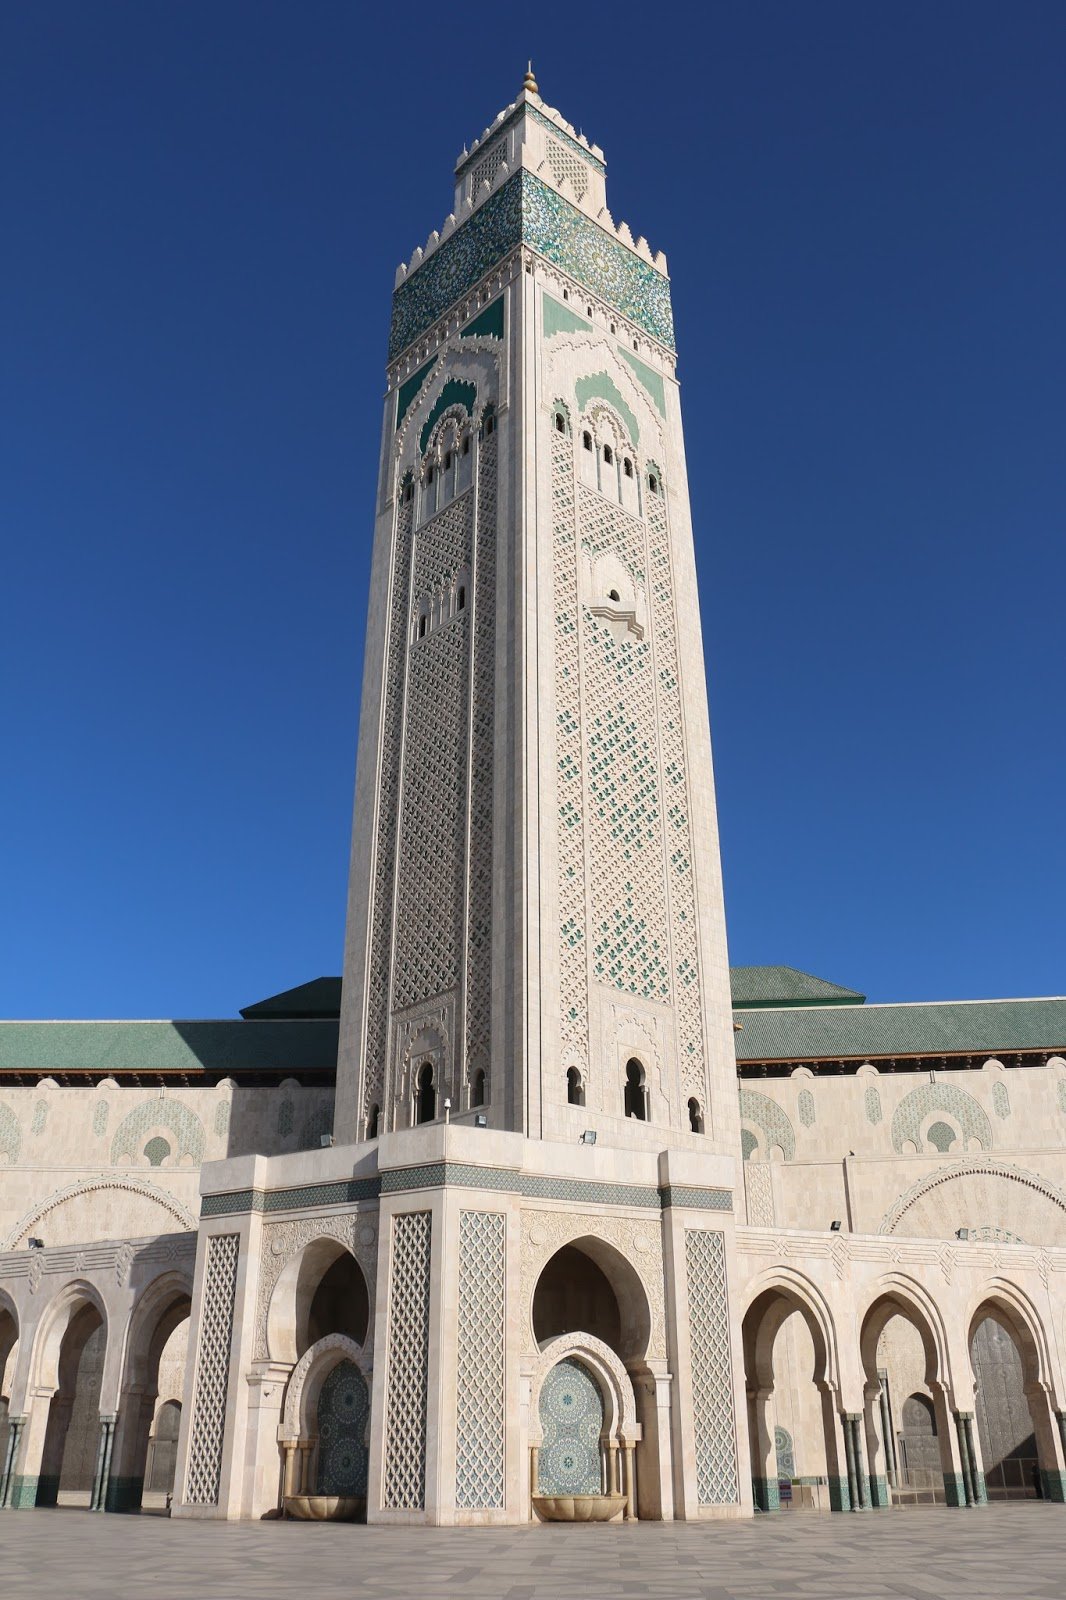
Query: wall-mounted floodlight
(325, 1140)
(35, 1244)
(481, 1120)
(589, 1136)
(962, 1233)
(834, 1227)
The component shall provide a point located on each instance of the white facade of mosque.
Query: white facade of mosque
(563, 1257)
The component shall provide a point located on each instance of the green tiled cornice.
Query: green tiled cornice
(461, 1174)
(527, 211)
(223, 1046)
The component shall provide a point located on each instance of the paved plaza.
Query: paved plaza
(919, 1554)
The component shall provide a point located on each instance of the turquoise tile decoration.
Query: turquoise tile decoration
(343, 1413)
(527, 211)
(571, 1420)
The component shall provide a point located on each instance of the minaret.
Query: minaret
(535, 921)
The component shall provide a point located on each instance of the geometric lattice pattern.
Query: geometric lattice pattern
(771, 1118)
(873, 1106)
(10, 1134)
(571, 1420)
(377, 1029)
(477, 1027)
(960, 1106)
(212, 1370)
(156, 1115)
(564, 164)
(488, 166)
(479, 1464)
(408, 1358)
(712, 1369)
(573, 954)
(806, 1107)
(682, 894)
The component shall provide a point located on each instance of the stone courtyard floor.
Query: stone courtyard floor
(924, 1553)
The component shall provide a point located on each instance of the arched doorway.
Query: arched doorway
(74, 1369)
(1015, 1425)
(791, 1391)
(592, 1324)
(145, 1448)
(908, 1421)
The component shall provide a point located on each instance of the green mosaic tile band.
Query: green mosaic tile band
(696, 1199)
(23, 1493)
(526, 211)
(317, 1194)
(124, 1494)
(879, 1491)
(766, 1493)
(839, 1494)
(438, 1174)
(954, 1489)
(1053, 1485)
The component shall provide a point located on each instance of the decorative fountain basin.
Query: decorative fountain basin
(325, 1507)
(578, 1507)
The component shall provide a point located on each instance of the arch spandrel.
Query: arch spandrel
(981, 1193)
(1005, 1301)
(898, 1294)
(632, 1262)
(773, 1296)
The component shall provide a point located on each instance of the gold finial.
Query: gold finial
(530, 81)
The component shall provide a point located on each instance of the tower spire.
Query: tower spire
(529, 82)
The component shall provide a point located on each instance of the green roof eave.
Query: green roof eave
(935, 1028)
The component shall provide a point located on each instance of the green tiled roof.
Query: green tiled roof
(222, 1047)
(837, 1032)
(784, 986)
(319, 998)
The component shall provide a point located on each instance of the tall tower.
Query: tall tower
(535, 921)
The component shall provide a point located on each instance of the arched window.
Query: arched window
(372, 1122)
(427, 1094)
(460, 599)
(612, 594)
(560, 422)
(586, 440)
(421, 627)
(429, 473)
(608, 455)
(653, 483)
(466, 444)
(575, 1089)
(408, 490)
(627, 467)
(477, 1088)
(695, 1116)
(447, 460)
(636, 1093)
(490, 424)
(157, 1150)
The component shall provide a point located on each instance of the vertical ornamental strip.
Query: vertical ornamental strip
(212, 1370)
(712, 1368)
(408, 1370)
(480, 1401)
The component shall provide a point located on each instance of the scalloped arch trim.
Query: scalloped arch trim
(139, 1186)
(962, 1169)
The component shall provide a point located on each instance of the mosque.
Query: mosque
(540, 1210)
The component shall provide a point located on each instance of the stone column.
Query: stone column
(130, 1452)
(951, 1458)
(98, 1497)
(969, 1492)
(853, 1428)
(888, 1433)
(836, 1449)
(15, 1426)
(849, 1459)
(764, 1481)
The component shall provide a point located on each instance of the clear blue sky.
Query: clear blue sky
(203, 207)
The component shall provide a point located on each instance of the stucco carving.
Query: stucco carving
(545, 1232)
(355, 1230)
(139, 1186)
(894, 1220)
